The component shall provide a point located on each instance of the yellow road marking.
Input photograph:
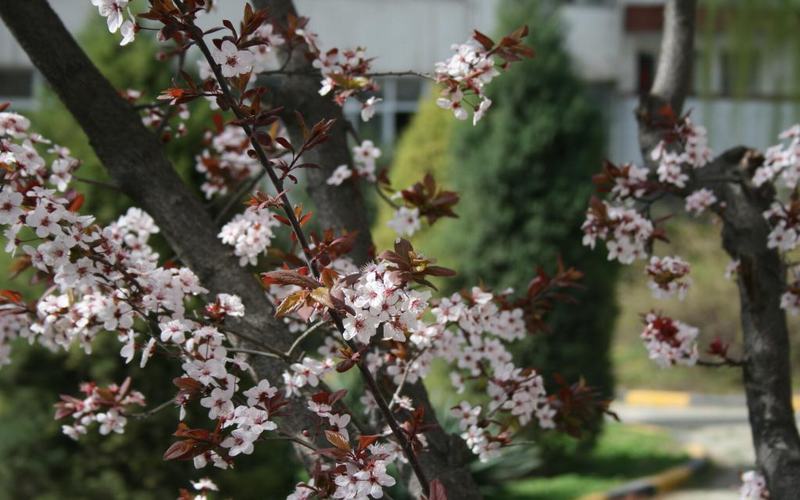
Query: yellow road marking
(658, 398)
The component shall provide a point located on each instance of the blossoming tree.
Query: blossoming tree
(239, 341)
(755, 195)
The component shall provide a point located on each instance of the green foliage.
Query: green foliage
(36, 460)
(623, 453)
(524, 176)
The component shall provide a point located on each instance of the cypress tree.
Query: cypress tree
(524, 177)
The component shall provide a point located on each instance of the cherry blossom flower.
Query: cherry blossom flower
(668, 341)
(668, 277)
(466, 414)
(700, 200)
(240, 441)
(113, 11)
(341, 174)
(230, 305)
(232, 61)
(13, 124)
(10, 205)
(754, 486)
(625, 231)
(368, 108)
(452, 100)
(782, 159)
(364, 157)
(111, 421)
(250, 233)
(406, 221)
(205, 484)
(481, 110)
(128, 31)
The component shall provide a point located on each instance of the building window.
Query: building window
(400, 101)
(16, 82)
(645, 69)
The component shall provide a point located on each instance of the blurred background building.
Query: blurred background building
(741, 80)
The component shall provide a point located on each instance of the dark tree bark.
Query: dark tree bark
(338, 207)
(762, 273)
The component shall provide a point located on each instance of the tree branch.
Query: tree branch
(136, 162)
(762, 275)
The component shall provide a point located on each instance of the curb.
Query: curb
(684, 399)
(660, 483)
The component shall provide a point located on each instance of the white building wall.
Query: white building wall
(401, 34)
(414, 34)
(593, 36)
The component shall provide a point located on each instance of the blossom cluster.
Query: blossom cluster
(668, 276)
(627, 181)
(379, 298)
(226, 162)
(105, 279)
(782, 160)
(365, 156)
(344, 73)
(784, 220)
(258, 54)
(625, 231)
(250, 233)
(699, 201)
(669, 341)
(106, 406)
(692, 150)
(470, 69)
(114, 11)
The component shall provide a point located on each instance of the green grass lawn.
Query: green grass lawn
(623, 453)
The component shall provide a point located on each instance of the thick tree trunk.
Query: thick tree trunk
(767, 372)
(762, 273)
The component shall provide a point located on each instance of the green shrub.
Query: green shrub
(523, 174)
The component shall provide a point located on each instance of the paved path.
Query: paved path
(722, 431)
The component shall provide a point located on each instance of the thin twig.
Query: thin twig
(314, 73)
(302, 337)
(247, 187)
(94, 182)
(153, 411)
(396, 396)
(718, 364)
(257, 353)
(171, 110)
